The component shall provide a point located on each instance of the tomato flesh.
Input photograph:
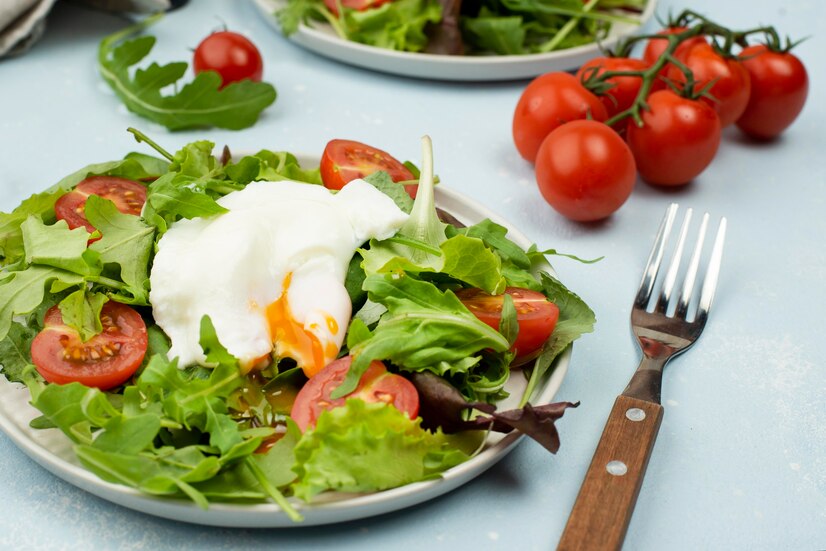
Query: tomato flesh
(346, 160)
(657, 46)
(779, 86)
(535, 315)
(375, 385)
(127, 195)
(231, 55)
(105, 361)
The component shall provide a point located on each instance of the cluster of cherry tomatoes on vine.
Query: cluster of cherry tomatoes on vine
(661, 115)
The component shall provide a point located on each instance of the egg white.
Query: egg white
(271, 267)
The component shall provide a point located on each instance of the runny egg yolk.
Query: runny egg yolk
(292, 340)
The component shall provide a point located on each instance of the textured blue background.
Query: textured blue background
(741, 459)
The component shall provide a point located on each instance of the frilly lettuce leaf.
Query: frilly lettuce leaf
(363, 447)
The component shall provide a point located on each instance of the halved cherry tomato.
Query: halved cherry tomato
(779, 86)
(347, 160)
(551, 100)
(376, 385)
(231, 55)
(105, 361)
(359, 5)
(535, 314)
(731, 82)
(128, 196)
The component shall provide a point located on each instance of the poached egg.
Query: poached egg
(269, 272)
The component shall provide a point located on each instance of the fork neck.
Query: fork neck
(646, 383)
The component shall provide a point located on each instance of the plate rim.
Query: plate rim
(269, 515)
(450, 68)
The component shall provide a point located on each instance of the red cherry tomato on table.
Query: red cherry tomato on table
(585, 171)
(625, 88)
(128, 197)
(731, 87)
(779, 86)
(548, 101)
(677, 141)
(358, 5)
(105, 361)
(347, 160)
(535, 315)
(657, 46)
(231, 55)
(376, 385)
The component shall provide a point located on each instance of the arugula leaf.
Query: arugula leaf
(385, 184)
(200, 103)
(172, 196)
(127, 241)
(59, 247)
(81, 311)
(21, 292)
(575, 319)
(423, 329)
(15, 352)
(347, 444)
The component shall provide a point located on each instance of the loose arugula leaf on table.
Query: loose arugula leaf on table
(348, 443)
(199, 103)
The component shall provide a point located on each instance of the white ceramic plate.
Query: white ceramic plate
(322, 40)
(53, 450)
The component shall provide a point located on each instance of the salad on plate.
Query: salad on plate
(253, 330)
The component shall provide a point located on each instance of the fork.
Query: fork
(665, 326)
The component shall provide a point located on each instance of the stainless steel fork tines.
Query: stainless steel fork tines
(665, 323)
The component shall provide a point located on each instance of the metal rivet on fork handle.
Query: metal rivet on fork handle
(616, 468)
(635, 414)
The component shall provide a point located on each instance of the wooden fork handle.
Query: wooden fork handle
(606, 499)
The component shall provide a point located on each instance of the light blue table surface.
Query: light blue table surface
(740, 462)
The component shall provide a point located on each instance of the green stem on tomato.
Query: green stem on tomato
(566, 29)
(141, 137)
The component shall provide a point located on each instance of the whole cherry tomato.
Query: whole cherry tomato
(657, 46)
(585, 170)
(731, 83)
(677, 141)
(547, 102)
(624, 89)
(779, 86)
(231, 55)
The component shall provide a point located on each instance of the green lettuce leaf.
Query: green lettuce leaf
(15, 353)
(363, 447)
(81, 311)
(423, 329)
